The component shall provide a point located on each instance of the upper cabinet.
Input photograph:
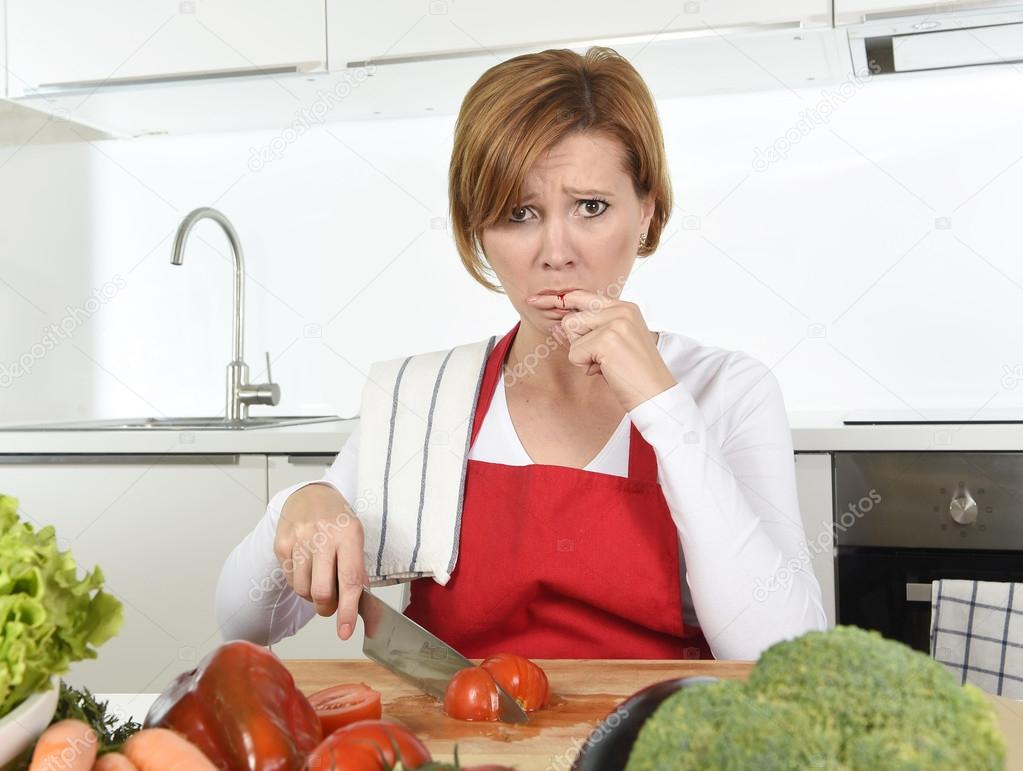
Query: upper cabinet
(154, 67)
(62, 43)
(418, 28)
(855, 11)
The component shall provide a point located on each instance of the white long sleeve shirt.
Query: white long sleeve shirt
(726, 467)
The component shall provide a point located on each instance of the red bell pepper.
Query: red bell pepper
(240, 707)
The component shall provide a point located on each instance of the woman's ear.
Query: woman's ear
(647, 204)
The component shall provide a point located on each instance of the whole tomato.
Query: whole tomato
(369, 745)
(523, 680)
(472, 695)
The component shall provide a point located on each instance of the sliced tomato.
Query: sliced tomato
(340, 705)
(472, 695)
(523, 680)
(357, 746)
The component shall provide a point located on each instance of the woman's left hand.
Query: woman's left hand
(610, 337)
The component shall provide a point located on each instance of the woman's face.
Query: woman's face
(577, 226)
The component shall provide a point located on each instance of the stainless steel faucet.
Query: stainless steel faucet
(240, 393)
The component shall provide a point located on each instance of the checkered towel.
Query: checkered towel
(977, 632)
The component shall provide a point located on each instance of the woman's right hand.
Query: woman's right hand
(319, 544)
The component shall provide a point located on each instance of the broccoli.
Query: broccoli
(725, 725)
(842, 699)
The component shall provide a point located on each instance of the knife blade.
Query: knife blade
(399, 644)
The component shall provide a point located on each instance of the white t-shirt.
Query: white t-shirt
(727, 470)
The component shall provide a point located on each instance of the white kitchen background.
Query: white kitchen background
(873, 260)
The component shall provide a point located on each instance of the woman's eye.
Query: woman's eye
(594, 207)
(516, 212)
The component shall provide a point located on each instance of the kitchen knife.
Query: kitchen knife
(398, 643)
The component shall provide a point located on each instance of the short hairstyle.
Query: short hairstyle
(521, 107)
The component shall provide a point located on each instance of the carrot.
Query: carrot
(160, 749)
(113, 761)
(68, 745)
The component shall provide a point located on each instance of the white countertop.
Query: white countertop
(811, 432)
(824, 432)
(326, 438)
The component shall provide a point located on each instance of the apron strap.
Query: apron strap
(490, 375)
(642, 460)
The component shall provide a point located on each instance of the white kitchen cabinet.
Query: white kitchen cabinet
(816, 504)
(414, 28)
(854, 11)
(160, 527)
(60, 42)
(318, 639)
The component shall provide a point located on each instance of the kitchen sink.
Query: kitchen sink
(176, 424)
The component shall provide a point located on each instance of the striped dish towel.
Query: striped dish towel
(415, 423)
(977, 632)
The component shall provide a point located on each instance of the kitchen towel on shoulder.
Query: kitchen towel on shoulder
(415, 423)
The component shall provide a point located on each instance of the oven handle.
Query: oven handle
(918, 593)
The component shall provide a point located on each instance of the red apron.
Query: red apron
(558, 562)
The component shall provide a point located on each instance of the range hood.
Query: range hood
(24, 124)
(937, 41)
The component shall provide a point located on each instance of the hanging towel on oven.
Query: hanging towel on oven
(415, 423)
(977, 632)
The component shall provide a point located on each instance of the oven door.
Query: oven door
(889, 589)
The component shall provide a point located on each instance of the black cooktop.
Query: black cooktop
(933, 415)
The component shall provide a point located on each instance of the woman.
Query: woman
(627, 493)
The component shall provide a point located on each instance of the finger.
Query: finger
(301, 578)
(352, 577)
(283, 548)
(323, 589)
(578, 299)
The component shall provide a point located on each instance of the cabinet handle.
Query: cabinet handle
(179, 77)
(311, 460)
(918, 592)
(112, 459)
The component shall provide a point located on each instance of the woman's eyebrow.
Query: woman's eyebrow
(587, 191)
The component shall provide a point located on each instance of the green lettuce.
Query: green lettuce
(49, 617)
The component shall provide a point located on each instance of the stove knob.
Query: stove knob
(963, 509)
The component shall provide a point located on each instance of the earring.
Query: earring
(642, 239)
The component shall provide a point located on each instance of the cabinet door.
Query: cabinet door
(403, 28)
(816, 503)
(160, 527)
(70, 41)
(318, 639)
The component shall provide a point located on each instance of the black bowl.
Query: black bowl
(608, 746)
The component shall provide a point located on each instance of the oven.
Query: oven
(903, 519)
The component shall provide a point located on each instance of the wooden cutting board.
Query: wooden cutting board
(583, 693)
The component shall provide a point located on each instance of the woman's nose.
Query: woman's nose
(556, 251)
